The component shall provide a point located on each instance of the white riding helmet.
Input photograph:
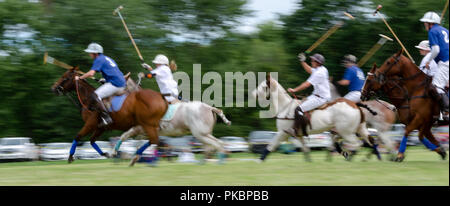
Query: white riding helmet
(431, 17)
(161, 59)
(424, 45)
(94, 48)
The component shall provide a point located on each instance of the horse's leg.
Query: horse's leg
(130, 133)
(273, 145)
(305, 149)
(210, 140)
(388, 144)
(409, 128)
(89, 126)
(351, 144)
(93, 138)
(432, 145)
(152, 134)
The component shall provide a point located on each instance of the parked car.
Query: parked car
(235, 144)
(178, 144)
(397, 132)
(18, 148)
(195, 144)
(319, 141)
(86, 151)
(258, 140)
(54, 151)
(441, 135)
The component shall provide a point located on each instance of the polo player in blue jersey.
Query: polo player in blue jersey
(115, 82)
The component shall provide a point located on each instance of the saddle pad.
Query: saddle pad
(170, 112)
(116, 103)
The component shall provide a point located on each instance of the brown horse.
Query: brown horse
(409, 89)
(144, 107)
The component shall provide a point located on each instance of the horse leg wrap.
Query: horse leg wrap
(95, 146)
(428, 144)
(73, 148)
(142, 149)
(376, 152)
(118, 145)
(402, 147)
(264, 154)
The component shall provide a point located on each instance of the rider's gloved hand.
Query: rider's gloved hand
(102, 80)
(302, 57)
(146, 66)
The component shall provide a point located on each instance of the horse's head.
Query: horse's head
(391, 67)
(66, 83)
(265, 88)
(371, 85)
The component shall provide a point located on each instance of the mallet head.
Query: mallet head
(378, 9)
(349, 15)
(386, 37)
(117, 10)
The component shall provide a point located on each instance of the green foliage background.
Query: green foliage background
(64, 28)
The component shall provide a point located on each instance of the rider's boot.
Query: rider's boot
(300, 122)
(443, 103)
(105, 119)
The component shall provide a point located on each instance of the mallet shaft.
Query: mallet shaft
(444, 11)
(325, 36)
(131, 37)
(398, 40)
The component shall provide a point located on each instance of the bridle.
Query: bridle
(396, 81)
(61, 91)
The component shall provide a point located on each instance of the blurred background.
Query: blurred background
(222, 36)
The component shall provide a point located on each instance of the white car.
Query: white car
(55, 151)
(86, 151)
(235, 144)
(322, 140)
(18, 148)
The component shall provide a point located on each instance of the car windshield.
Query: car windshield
(442, 129)
(57, 145)
(261, 135)
(13, 141)
(233, 139)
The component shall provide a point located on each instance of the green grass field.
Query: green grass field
(421, 167)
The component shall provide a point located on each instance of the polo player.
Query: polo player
(115, 82)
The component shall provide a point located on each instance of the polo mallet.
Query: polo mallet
(392, 31)
(328, 34)
(51, 60)
(117, 11)
(444, 11)
(371, 52)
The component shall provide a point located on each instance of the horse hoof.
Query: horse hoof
(399, 159)
(70, 160)
(134, 160)
(442, 153)
(107, 155)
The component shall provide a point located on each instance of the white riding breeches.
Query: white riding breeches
(107, 90)
(354, 96)
(440, 79)
(312, 102)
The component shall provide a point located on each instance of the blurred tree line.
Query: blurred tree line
(188, 31)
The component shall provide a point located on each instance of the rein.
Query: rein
(78, 94)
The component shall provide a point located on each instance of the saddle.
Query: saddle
(115, 101)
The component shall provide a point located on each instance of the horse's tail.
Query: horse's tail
(366, 107)
(221, 115)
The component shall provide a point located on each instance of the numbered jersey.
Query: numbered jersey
(438, 35)
(109, 70)
(356, 77)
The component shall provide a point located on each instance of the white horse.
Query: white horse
(343, 115)
(382, 121)
(193, 117)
